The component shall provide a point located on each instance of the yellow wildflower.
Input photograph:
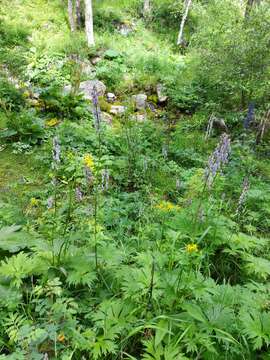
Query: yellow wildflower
(88, 161)
(52, 122)
(91, 223)
(26, 94)
(61, 338)
(33, 202)
(166, 206)
(190, 248)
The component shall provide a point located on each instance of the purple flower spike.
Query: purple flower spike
(78, 194)
(165, 151)
(96, 109)
(243, 195)
(88, 175)
(219, 158)
(50, 203)
(56, 152)
(250, 115)
(105, 179)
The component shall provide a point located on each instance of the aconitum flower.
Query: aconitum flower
(243, 195)
(219, 158)
(50, 203)
(78, 194)
(88, 174)
(165, 151)
(250, 115)
(56, 151)
(145, 164)
(105, 179)
(96, 109)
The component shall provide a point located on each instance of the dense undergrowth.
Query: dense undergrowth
(135, 240)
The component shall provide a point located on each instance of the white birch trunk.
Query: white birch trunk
(180, 39)
(71, 16)
(78, 13)
(89, 28)
(146, 7)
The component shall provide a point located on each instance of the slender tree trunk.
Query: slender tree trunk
(180, 40)
(89, 28)
(78, 13)
(146, 7)
(71, 16)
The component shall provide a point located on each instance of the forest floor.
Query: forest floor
(140, 238)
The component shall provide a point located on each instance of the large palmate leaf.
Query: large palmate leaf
(256, 327)
(257, 266)
(17, 268)
(13, 240)
(159, 352)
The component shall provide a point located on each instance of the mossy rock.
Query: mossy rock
(153, 99)
(104, 105)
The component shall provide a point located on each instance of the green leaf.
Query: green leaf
(112, 54)
(257, 265)
(195, 311)
(13, 240)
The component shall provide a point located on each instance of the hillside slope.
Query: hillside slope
(135, 183)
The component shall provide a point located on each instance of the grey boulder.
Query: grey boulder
(86, 88)
(140, 101)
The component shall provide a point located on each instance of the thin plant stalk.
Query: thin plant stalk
(64, 245)
(151, 287)
(95, 227)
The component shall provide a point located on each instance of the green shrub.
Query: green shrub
(13, 45)
(24, 126)
(57, 104)
(12, 34)
(233, 54)
(46, 70)
(167, 14)
(111, 72)
(11, 99)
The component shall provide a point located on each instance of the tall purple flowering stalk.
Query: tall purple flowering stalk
(52, 200)
(250, 115)
(78, 194)
(105, 179)
(56, 159)
(219, 158)
(56, 151)
(165, 151)
(96, 109)
(88, 175)
(145, 164)
(50, 203)
(243, 195)
(178, 184)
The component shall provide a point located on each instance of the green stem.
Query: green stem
(151, 287)
(95, 227)
(64, 245)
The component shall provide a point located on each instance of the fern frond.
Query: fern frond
(17, 267)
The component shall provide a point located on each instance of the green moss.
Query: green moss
(153, 99)
(104, 105)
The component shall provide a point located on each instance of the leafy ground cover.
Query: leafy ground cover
(135, 239)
